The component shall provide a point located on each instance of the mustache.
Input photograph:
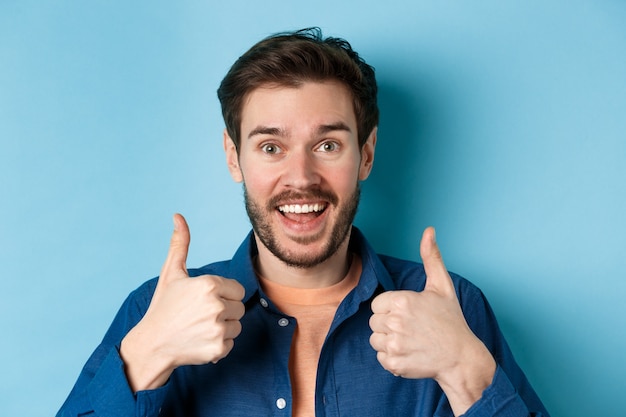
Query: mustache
(312, 195)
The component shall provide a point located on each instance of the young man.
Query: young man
(305, 320)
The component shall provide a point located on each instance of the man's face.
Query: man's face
(301, 164)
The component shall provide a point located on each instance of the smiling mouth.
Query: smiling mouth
(302, 208)
(302, 213)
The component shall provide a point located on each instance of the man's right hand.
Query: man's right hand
(190, 321)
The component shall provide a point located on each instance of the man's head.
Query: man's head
(301, 118)
(289, 59)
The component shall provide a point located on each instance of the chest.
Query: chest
(254, 378)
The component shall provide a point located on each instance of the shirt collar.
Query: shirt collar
(374, 273)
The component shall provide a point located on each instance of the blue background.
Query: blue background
(502, 125)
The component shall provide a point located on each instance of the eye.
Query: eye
(328, 146)
(270, 148)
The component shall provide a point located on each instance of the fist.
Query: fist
(195, 319)
(421, 334)
(190, 321)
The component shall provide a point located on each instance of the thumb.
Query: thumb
(176, 261)
(437, 277)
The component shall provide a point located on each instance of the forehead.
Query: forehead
(311, 102)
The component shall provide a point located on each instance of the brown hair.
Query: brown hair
(292, 58)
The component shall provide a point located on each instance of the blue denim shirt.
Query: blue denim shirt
(253, 380)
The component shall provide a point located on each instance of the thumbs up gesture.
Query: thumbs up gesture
(190, 321)
(425, 335)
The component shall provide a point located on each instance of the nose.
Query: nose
(301, 171)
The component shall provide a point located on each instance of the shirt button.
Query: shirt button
(283, 322)
(263, 302)
(281, 403)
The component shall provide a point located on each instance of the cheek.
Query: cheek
(344, 180)
(258, 182)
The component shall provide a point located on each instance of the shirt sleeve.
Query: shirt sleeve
(501, 399)
(102, 389)
(510, 393)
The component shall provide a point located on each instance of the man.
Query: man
(306, 319)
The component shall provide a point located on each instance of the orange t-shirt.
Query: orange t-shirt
(314, 310)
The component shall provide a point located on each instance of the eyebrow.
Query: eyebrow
(277, 131)
(339, 126)
(266, 130)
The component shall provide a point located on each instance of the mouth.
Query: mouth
(302, 213)
(302, 208)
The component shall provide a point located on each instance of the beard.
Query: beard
(260, 217)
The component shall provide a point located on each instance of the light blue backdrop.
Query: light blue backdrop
(502, 124)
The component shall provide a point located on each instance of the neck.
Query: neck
(325, 274)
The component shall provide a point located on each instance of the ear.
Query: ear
(232, 158)
(367, 155)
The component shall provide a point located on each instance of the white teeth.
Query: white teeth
(301, 208)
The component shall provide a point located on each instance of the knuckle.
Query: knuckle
(240, 310)
(218, 309)
(239, 290)
(375, 341)
(237, 328)
(211, 284)
(389, 363)
(223, 349)
(394, 347)
(227, 346)
(395, 323)
(401, 299)
(217, 331)
(372, 321)
(393, 365)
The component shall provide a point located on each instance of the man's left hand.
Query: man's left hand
(425, 335)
